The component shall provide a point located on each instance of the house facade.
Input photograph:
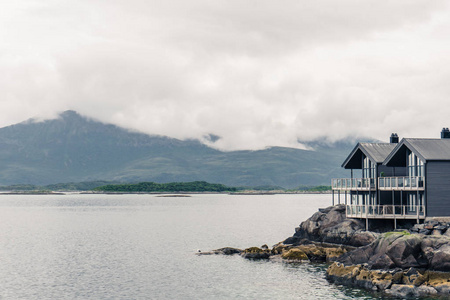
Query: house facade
(407, 179)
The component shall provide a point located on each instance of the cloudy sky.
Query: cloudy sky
(256, 73)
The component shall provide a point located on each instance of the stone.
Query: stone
(423, 291)
(435, 278)
(430, 224)
(330, 225)
(404, 250)
(441, 259)
(255, 253)
(382, 261)
(294, 254)
(425, 231)
(443, 289)
(222, 251)
(362, 238)
(402, 290)
(291, 240)
(381, 279)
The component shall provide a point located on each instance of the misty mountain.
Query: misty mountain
(73, 148)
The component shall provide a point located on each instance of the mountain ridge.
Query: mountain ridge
(74, 148)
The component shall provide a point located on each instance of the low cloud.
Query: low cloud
(255, 73)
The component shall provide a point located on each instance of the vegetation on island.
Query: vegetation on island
(319, 188)
(115, 186)
(69, 186)
(146, 187)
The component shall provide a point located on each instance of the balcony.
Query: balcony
(386, 211)
(353, 184)
(416, 183)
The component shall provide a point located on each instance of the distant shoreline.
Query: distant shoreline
(176, 194)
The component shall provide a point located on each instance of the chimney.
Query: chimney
(394, 138)
(445, 133)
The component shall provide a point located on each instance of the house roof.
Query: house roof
(376, 152)
(426, 149)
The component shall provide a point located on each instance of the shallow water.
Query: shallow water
(143, 247)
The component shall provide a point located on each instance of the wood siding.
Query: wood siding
(438, 188)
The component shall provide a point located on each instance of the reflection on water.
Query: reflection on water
(143, 247)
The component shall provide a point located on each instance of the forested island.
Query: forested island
(150, 187)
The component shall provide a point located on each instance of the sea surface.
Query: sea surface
(144, 247)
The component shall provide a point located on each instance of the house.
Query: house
(402, 180)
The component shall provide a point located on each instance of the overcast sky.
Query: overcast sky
(256, 73)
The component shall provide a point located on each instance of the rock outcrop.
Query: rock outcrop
(402, 250)
(330, 225)
(408, 263)
(396, 282)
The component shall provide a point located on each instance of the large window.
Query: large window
(415, 165)
(368, 168)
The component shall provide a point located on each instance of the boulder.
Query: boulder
(222, 251)
(441, 259)
(294, 254)
(255, 253)
(331, 226)
(405, 250)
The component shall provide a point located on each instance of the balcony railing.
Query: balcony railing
(353, 184)
(386, 211)
(401, 183)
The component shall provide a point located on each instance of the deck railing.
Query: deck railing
(353, 184)
(401, 183)
(386, 211)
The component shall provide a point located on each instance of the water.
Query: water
(143, 247)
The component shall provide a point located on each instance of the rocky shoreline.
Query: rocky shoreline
(412, 262)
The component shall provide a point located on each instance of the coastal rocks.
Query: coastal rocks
(398, 283)
(400, 263)
(391, 250)
(331, 226)
(221, 251)
(256, 253)
(294, 254)
(431, 227)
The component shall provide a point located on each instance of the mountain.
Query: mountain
(73, 148)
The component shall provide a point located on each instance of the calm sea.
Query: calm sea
(143, 247)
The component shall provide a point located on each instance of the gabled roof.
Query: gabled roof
(376, 152)
(426, 149)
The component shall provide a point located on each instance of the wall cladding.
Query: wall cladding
(438, 188)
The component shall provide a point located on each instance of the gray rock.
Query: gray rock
(331, 226)
(441, 259)
(402, 290)
(423, 291)
(381, 262)
(256, 256)
(443, 289)
(425, 231)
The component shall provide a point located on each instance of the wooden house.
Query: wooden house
(409, 179)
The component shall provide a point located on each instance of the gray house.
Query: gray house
(402, 180)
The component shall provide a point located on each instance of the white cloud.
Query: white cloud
(256, 73)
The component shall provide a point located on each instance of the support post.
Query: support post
(417, 206)
(401, 202)
(332, 197)
(339, 197)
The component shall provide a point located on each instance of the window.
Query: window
(368, 168)
(414, 164)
